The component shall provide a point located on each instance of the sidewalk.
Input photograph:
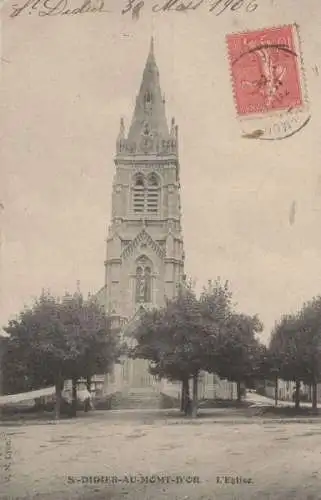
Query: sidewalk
(26, 396)
(255, 398)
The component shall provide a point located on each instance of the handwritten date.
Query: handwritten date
(134, 7)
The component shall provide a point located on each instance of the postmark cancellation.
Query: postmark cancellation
(268, 80)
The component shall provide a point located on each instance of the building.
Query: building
(145, 253)
(145, 250)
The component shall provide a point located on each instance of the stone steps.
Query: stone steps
(136, 400)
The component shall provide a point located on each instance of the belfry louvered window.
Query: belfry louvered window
(146, 194)
(152, 194)
(139, 195)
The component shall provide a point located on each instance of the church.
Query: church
(145, 251)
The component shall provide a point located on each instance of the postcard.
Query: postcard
(160, 244)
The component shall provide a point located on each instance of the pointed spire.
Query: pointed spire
(151, 47)
(121, 136)
(150, 109)
(173, 127)
(122, 128)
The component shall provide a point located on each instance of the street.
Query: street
(106, 455)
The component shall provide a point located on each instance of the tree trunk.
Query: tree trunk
(239, 395)
(188, 401)
(184, 395)
(276, 391)
(58, 386)
(74, 398)
(195, 396)
(182, 402)
(297, 394)
(314, 396)
(88, 383)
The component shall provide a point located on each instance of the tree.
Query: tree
(296, 348)
(17, 376)
(309, 320)
(58, 339)
(266, 368)
(238, 350)
(179, 339)
(165, 337)
(286, 349)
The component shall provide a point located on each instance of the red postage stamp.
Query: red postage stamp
(266, 70)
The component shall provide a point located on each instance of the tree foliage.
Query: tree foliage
(171, 338)
(310, 340)
(238, 350)
(191, 334)
(296, 347)
(284, 347)
(57, 339)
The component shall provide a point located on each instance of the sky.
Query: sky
(65, 83)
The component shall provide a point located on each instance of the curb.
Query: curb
(248, 421)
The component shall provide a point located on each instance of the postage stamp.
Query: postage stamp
(268, 81)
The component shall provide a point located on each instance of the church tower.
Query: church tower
(145, 255)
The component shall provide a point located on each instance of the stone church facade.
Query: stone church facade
(145, 251)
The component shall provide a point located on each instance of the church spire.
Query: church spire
(151, 47)
(121, 136)
(149, 124)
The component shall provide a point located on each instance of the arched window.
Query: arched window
(139, 194)
(153, 194)
(146, 194)
(143, 292)
(153, 180)
(139, 180)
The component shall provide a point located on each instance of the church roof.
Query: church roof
(149, 115)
